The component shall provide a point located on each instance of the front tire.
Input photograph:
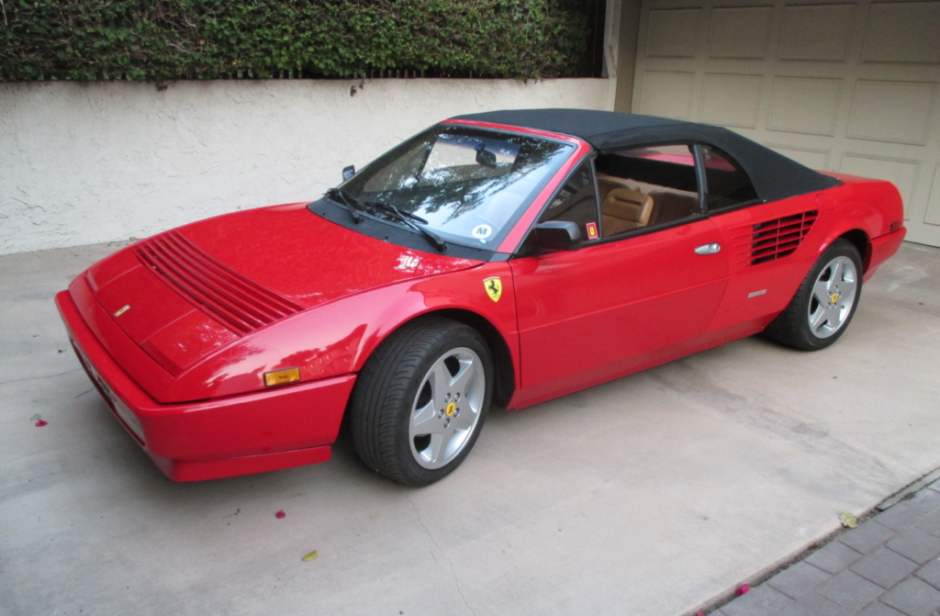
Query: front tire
(421, 399)
(825, 303)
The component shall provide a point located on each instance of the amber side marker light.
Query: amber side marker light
(281, 377)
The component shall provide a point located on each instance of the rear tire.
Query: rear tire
(825, 303)
(420, 401)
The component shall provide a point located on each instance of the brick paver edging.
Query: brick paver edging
(888, 566)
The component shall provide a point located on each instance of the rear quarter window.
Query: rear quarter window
(728, 184)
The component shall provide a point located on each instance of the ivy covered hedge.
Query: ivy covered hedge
(165, 40)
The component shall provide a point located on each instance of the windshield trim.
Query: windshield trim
(506, 128)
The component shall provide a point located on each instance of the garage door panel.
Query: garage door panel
(807, 105)
(816, 33)
(673, 33)
(668, 94)
(732, 100)
(903, 32)
(933, 204)
(893, 111)
(841, 85)
(739, 33)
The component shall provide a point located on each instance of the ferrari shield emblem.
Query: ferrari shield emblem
(494, 288)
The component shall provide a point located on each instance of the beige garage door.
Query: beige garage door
(839, 86)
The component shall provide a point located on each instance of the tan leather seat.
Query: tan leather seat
(624, 209)
(607, 183)
(673, 205)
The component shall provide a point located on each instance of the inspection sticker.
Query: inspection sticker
(481, 232)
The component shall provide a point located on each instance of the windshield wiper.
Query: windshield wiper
(344, 199)
(407, 219)
(414, 217)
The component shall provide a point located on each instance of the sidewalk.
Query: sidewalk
(888, 566)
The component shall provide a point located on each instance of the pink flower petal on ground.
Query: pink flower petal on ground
(280, 514)
(743, 590)
(41, 423)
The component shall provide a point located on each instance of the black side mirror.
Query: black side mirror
(348, 172)
(558, 235)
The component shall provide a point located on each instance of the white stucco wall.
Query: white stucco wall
(87, 163)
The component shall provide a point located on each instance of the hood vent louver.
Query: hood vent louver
(220, 292)
(772, 239)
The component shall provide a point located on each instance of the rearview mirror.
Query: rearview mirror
(348, 172)
(487, 159)
(558, 235)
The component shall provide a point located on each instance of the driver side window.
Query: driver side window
(646, 186)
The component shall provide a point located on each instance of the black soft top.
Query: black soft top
(774, 176)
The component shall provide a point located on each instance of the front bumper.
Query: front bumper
(235, 435)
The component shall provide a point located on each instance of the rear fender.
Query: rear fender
(860, 211)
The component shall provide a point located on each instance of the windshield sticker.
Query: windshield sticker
(481, 232)
(592, 230)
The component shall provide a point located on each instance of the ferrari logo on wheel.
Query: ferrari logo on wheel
(494, 288)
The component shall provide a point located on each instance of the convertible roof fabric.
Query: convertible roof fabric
(774, 176)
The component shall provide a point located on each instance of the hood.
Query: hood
(185, 293)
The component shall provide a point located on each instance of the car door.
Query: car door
(625, 300)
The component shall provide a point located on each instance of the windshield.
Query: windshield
(468, 185)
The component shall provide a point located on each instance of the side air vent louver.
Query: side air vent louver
(222, 293)
(772, 239)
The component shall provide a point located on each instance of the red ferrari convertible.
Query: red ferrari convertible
(498, 258)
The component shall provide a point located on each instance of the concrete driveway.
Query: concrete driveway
(647, 496)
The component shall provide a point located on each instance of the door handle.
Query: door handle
(708, 249)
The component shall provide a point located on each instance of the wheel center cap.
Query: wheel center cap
(451, 409)
(834, 298)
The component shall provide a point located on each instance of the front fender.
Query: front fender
(463, 292)
(337, 338)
